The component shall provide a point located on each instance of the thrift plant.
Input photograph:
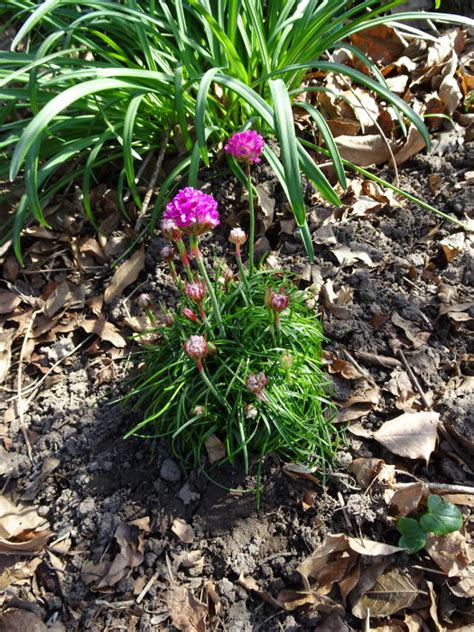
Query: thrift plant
(240, 358)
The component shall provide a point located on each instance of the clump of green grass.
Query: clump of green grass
(292, 415)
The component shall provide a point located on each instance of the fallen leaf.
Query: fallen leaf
(342, 367)
(453, 245)
(406, 498)
(465, 587)
(19, 620)
(18, 573)
(124, 275)
(290, 600)
(105, 330)
(378, 360)
(267, 208)
(371, 149)
(215, 449)
(6, 341)
(8, 302)
(49, 465)
(11, 269)
(412, 435)
(450, 552)
(337, 302)
(466, 500)
(401, 388)
(131, 544)
(296, 470)
(416, 336)
(332, 623)
(382, 43)
(367, 470)
(391, 593)
(183, 530)
(186, 612)
(457, 311)
(348, 257)
(58, 300)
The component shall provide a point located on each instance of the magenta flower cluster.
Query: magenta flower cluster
(192, 211)
(245, 146)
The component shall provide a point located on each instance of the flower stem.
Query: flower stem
(252, 220)
(243, 272)
(184, 259)
(207, 280)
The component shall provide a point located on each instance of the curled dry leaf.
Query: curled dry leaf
(183, 530)
(367, 470)
(124, 275)
(414, 334)
(412, 435)
(186, 612)
(465, 587)
(406, 497)
(347, 257)
(371, 149)
(453, 245)
(19, 572)
(22, 531)
(6, 341)
(342, 367)
(8, 302)
(450, 552)
(105, 330)
(391, 593)
(131, 543)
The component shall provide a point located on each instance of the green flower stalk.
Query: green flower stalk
(196, 347)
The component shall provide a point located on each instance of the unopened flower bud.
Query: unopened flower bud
(286, 361)
(167, 253)
(256, 383)
(229, 276)
(279, 301)
(170, 230)
(195, 290)
(196, 347)
(250, 411)
(169, 319)
(190, 315)
(144, 301)
(237, 236)
(199, 410)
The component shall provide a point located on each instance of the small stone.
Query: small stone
(170, 471)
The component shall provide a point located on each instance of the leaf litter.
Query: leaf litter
(388, 279)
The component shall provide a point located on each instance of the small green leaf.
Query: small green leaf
(442, 517)
(413, 537)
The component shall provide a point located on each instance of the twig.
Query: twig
(147, 587)
(344, 510)
(361, 369)
(415, 382)
(154, 178)
(451, 489)
(19, 404)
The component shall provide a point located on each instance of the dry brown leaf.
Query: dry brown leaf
(105, 330)
(382, 43)
(290, 600)
(406, 498)
(19, 620)
(17, 519)
(378, 360)
(450, 552)
(466, 500)
(337, 302)
(296, 470)
(413, 144)
(6, 341)
(401, 387)
(414, 622)
(371, 149)
(131, 544)
(124, 275)
(391, 593)
(267, 208)
(412, 435)
(457, 311)
(332, 623)
(186, 612)
(8, 302)
(465, 588)
(343, 126)
(183, 530)
(416, 336)
(18, 573)
(95, 303)
(342, 367)
(348, 257)
(11, 269)
(58, 300)
(49, 465)
(215, 449)
(367, 470)
(25, 543)
(453, 245)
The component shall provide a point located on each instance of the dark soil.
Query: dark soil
(102, 480)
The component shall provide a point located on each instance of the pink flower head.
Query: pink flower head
(190, 315)
(237, 236)
(167, 253)
(170, 230)
(256, 383)
(196, 347)
(195, 290)
(192, 211)
(279, 301)
(245, 146)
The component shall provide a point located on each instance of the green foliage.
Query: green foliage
(441, 518)
(413, 536)
(98, 82)
(292, 419)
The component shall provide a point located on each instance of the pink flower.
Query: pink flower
(196, 347)
(237, 236)
(245, 146)
(192, 211)
(279, 301)
(256, 383)
(195, 290)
